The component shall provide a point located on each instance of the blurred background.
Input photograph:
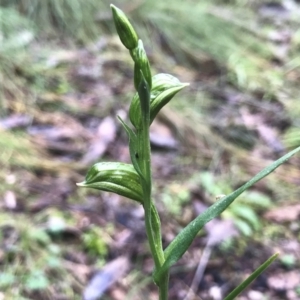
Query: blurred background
(64, 77)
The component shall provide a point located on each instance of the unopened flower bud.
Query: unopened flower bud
(124, 28)
(141, 64)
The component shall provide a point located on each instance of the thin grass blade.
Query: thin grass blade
(251, 278)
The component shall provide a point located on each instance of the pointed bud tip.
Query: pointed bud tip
(184, 84)
(181, 86)
(83, 183)
(124, 28)
(113, 7)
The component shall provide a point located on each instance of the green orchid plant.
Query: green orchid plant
(134, 181)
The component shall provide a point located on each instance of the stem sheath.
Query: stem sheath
(151, 216)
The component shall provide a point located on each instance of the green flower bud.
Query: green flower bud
(164, 88)
(118, 178)
(141, 64)
(124, 28)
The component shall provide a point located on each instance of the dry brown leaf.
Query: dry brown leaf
(106, 134)
(105, 278)
(162, 136)
(284, 214)
(15, 121)
(284, 281)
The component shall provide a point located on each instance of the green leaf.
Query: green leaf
(251, 278)
(209, 184)
(162, 99)
(156, 227)
(183, 240)
(135, 111)
(141, 66)
(257, 200)
(40, 235)
(243, 227)
(115, 177)
(164, 88)
(93, 242)
(37, 280)
(247, 213)
(133, 147)
(7, 279)
(288, 260)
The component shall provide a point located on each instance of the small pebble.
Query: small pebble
(215, 293)
(256, 295)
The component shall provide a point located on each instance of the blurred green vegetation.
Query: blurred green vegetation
(33, 261)
(245, 211)
(54, 18)
(235, 37)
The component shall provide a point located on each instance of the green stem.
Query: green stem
(151, 217)
(144, 147)
(145, 164)
(164, 287)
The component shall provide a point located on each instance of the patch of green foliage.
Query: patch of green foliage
(34, 254)
(174, 196)
(244, 212)
(17, 32)
(73, 18)
(93, 243)
(17, 150)
(208, 29)
(212, 31)
(29, 258)
(292, 137)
